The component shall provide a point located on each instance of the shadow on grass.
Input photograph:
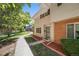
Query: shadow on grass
(5, 40)
(5, 36)
(39, 49)
(30, 39)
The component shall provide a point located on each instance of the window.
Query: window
(38, 30)
(70, 31)
(73, 31)
(42, 15)
(48, 11)
(77, 31)
(59, 4)
(45, 14)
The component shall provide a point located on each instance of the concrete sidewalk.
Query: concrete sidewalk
(22, 48)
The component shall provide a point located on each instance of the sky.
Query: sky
(32, 10)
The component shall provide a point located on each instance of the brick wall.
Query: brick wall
(60, 28)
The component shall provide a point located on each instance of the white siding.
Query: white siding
(65, 11)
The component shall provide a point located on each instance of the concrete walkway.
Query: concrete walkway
(22, 48)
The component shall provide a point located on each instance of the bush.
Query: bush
(70, 46)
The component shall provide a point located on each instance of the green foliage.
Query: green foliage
(71, 46)
(29, 4)
(29, 39)
(39, 49)
(12, 18)
(12, 38)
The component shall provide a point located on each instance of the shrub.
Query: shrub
(70, 46)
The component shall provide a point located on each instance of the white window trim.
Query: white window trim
(74, 28)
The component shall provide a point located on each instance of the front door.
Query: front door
(47, 32)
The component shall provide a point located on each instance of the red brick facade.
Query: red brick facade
(60, 28)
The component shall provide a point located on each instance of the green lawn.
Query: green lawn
(13, 35)
(5, 40)
(39, 49)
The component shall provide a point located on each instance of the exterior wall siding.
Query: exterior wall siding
(58, 18)
(60, 29)
(41, 23)
(64, 11)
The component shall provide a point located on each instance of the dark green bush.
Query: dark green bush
(70, 46)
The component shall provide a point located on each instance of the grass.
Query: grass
(39, 49)
(13, 35)
(5, 40)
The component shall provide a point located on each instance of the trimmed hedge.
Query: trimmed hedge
(70, 46)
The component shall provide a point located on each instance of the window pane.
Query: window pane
(38, 30)
(77, 31)
(47, 32)
(70, 31)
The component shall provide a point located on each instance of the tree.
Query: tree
(12, 18)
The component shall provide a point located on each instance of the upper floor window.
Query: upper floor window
(45, 14)
(59, 4)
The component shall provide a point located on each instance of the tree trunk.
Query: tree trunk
(8, 34)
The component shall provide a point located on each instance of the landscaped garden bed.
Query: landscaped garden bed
(39, 49)
(70, 46)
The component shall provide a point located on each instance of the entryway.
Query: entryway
(47, 32)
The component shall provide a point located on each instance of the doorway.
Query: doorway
(47, 32)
